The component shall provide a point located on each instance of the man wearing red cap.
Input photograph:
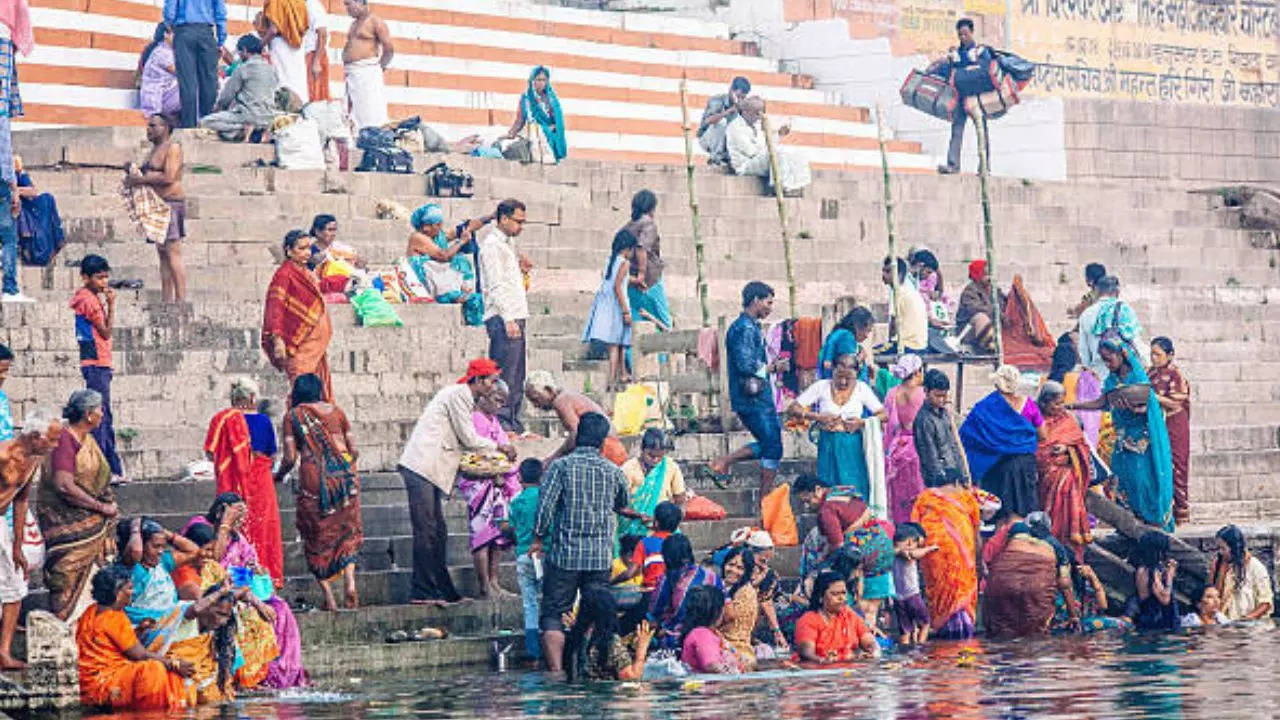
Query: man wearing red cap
(429, 466)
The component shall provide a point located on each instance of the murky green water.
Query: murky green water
(1220, 673)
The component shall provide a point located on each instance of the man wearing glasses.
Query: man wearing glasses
(506, 308)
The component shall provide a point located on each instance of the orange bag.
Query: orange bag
(778, 518)
(701, 508)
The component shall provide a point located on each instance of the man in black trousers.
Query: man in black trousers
(199, 30)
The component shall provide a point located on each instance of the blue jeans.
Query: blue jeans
(531, 599)
(9, 243)
(99, 378)
(762, 423)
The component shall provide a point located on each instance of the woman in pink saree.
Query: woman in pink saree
(901, 463)
(489, 499)
(286, 670)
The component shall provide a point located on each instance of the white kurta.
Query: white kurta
(749, 155)
(290, 64)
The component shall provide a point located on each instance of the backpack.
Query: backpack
(38, 242)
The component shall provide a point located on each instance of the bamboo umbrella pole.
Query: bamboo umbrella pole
(888, 217)
(988, 235)
(699, 251)
(782, 213)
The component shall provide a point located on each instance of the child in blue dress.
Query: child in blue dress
(610, 320)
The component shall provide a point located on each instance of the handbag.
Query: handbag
(444, 181)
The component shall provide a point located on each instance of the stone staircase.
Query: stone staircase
(1188, 270)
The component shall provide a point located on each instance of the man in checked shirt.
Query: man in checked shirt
(579, 497)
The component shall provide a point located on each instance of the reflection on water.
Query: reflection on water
(1222, 672)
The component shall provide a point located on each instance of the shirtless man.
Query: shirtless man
(20, 460)
(163, 172)
(366, 56)
(546, 394)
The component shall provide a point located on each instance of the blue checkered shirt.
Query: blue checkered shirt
(10, 107)
(579, 497)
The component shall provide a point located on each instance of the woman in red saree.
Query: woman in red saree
(950, 515)
(295, 323)
(1173, 392)
(1027, 341)
(317, 437)
(1064, 466)
(241, 443)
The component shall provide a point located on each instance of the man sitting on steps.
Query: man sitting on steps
(749, 153)
(247, 100)
(721, 110)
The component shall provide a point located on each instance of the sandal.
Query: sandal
(721, 480)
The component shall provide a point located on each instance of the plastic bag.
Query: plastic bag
(778, 518)
(702, 508)
(330, 119)
(373, 310)
(631, 408)
(298, 146)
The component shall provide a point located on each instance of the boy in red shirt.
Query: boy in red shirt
(95, 309)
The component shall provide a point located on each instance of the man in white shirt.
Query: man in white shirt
(910, 323)
(429, 465)
(749, 153)
(506, 307)
(315, 43)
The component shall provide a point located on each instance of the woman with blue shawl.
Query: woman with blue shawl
(438, 256)
(1000, 439)
(540, 103)
(1142, 461)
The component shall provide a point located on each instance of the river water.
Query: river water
(1225, 672)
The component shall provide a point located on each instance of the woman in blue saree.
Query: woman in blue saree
(1142, 460)
(153, 553)
(539, 103)
(1000, 443)
(846, 339)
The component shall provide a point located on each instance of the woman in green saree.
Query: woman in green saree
(652, 478)
(540, 104)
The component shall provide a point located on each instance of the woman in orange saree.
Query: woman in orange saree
(950, 515)
(241, 444)
(295, 323)
(116, 671)
(1064, 465)
(317, 437)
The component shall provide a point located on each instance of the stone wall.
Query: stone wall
(1110, 139)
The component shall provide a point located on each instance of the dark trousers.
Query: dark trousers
(431, 579)
(195, 55)
(509, 354)
(99, 378)
(957, 137)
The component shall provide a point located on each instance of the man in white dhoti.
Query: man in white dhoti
(368, 53)
(749, 154)
(287, 23)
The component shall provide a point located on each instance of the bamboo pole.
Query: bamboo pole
(979, 125)
(699, 258)
(888, 220)
(782, 213)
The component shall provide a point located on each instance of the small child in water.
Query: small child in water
(909, 605)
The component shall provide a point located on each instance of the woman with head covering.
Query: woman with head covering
(1019, 597)
(1000, 437)
(1065, 467)
(902, 477)
(539, 103)
(76, 508)
(1141, 459)
(317, 437)
(296, 329)
(489, 498)
(976, 308)
(1241, 578)
(241, 442)
(157, 78)
(950, 513)
(438, 255)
